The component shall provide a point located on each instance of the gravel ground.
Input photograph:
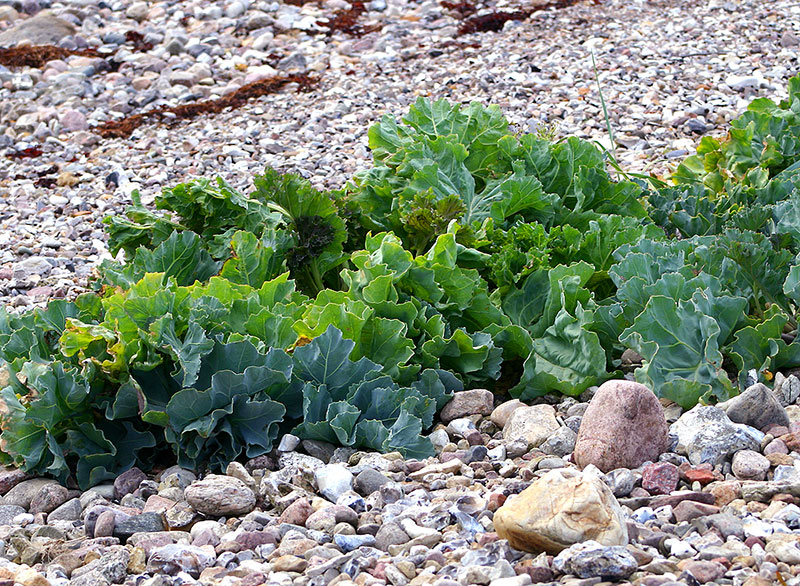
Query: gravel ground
(703, 500)
(671, 70)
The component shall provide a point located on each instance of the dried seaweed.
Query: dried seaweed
(27, 153)
(37, 56)
(138, 42)
(447, 43)
(47, 182)
(45, 178)
(494, 21)
(171, 114)
(464, 8)
(346, 21)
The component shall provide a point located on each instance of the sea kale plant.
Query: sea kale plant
(466, 254)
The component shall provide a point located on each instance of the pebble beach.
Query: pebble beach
(611, 487)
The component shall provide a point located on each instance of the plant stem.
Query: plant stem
(316, 277)
(605, 110)
(280, 209)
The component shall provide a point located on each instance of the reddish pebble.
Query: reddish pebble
(701, 476)
(538, 574)
(660, 478)
(379, 571)
(791, 440)
(249, 540)
(104, 526)
(688, 510)
(486, 538)
(474, 437)
(229, 546)
(496, 500)
(40, 292)
(484, 466)
(726, 492)
(785, 498)
(753, 540)
(253, 579)
(297, 512)
(623, 427)
(157, 504)
(705, 571)
(436, 556)
(777, 430)
(416, 465)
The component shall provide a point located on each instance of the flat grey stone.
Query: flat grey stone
(42, 29)
(69, 511)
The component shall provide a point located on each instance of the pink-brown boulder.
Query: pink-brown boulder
(623, 427)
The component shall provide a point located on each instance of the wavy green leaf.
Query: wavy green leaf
(326, 361)
(680, 346)
(182, 256)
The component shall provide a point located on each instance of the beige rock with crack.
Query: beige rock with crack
(533, 424)
(563, 507)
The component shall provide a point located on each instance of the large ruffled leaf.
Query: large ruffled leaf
(754, 347)
(567, 358)
(187, 352)
(234, 413)
(105, 451)
(351, 403)
(326, 361)
(478, 128)
(385, 341)
(335, 309)
(255, 261)
(182, 256)
(565, 352)
(681, 348)
(35, 426)
(405, 436)
(98, 344)
(139, 226)
(474, 356)
(334, 425)
(212, 207)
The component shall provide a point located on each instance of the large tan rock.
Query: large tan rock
(466, 403)
(623, 427)
(503, 411)
(563, 507)
(220, 496)
(30, 577)
(533, 424)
